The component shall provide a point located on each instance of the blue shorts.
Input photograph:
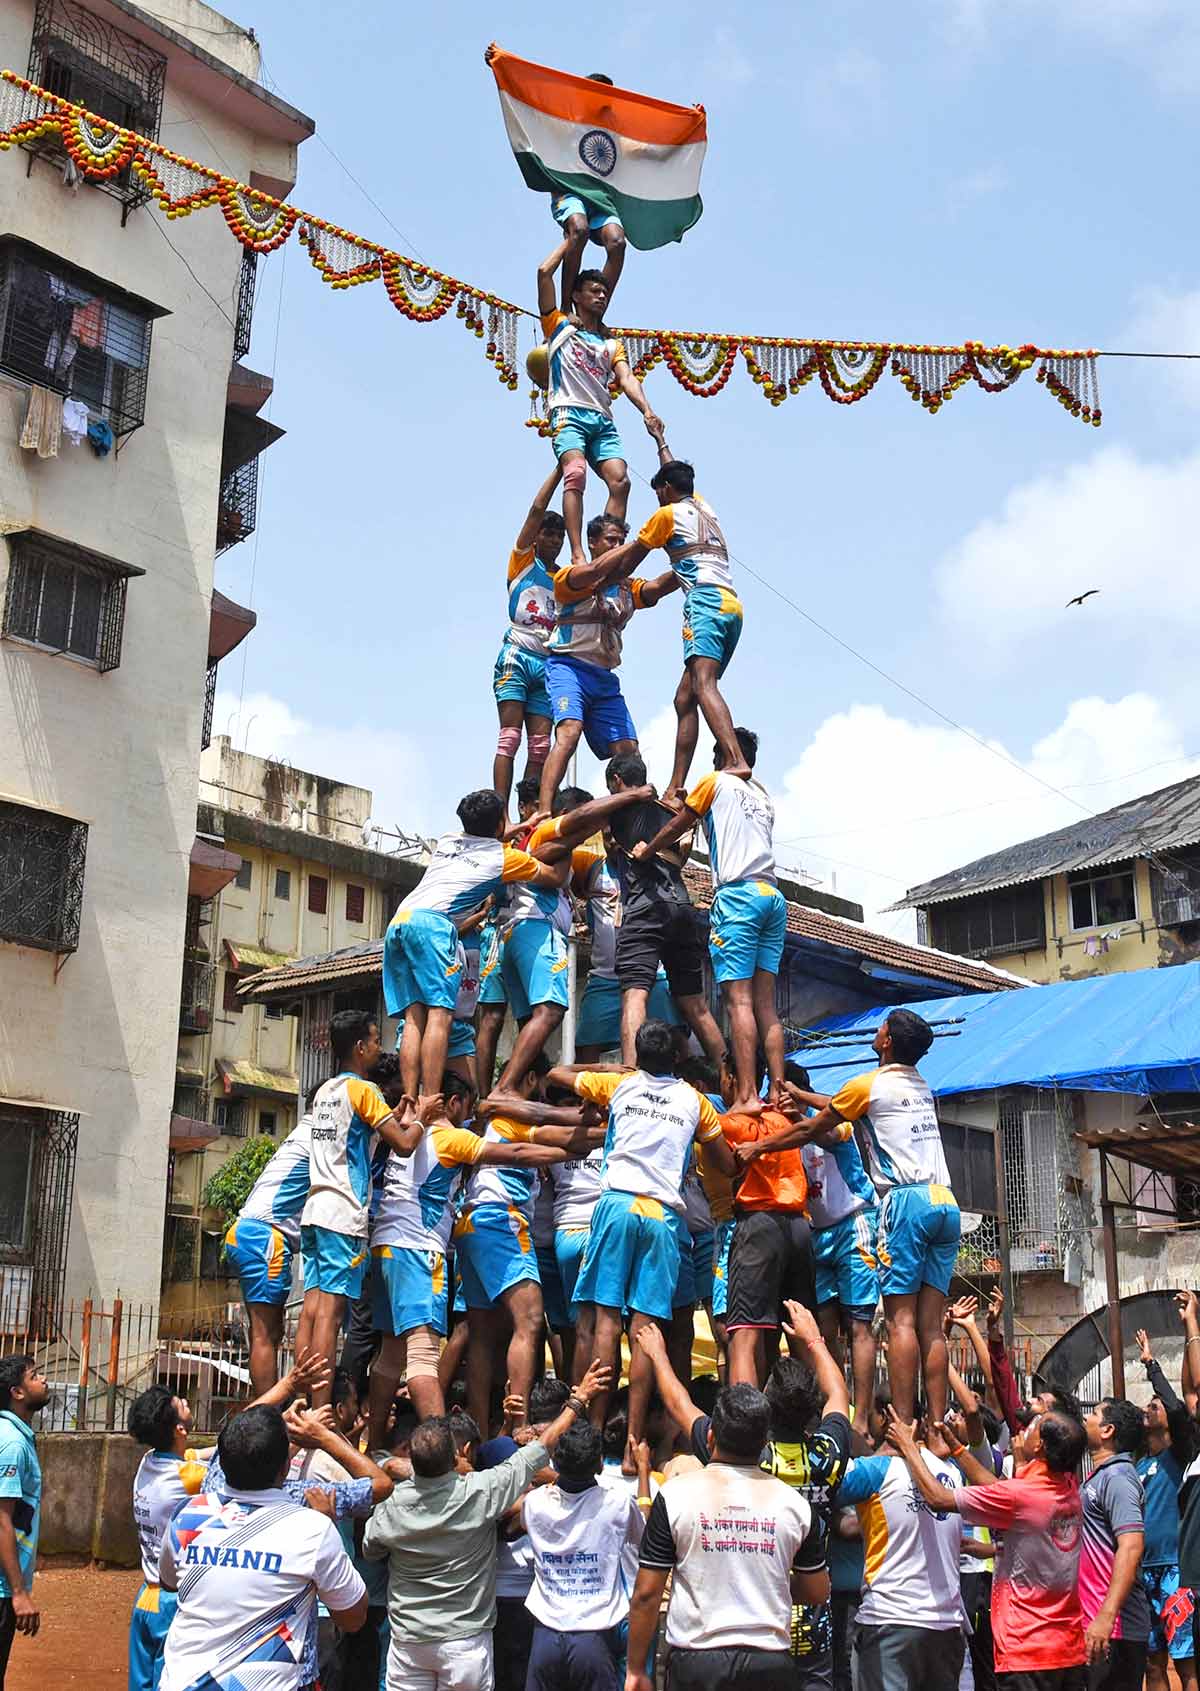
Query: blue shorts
(491, 976)
(694, 1283)
(554, 1297)
(333, 1262)
(534, 966)
(1171, 1608)
(462, 1037)
(712, 625)
(494, 1253)
(600, 1010)
(521, 675)
(724, 1239)
(583, 692)
(149, 1624)
(917, 1242)
(632, 1255)
(590, 432)
(409, 1288)
(847, 1271)
(261, 1258)
(420, 961)
(460, 1297)
(745, 930)
(570, 1244)
(564, 206)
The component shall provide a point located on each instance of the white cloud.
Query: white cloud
(1163, 321)
(1161, 35)
(391, 765)
(882, 803)
(1114, 522)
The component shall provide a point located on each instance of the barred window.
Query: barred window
(41, 877)
(82, 58)
(66, 599)
(16, 1181)
(66, 330)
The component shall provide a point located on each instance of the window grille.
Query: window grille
(1100, 896)
(196, 996)
(1013, 919)
(66, 330)
(230, 1116)
(65, 599)
(37, 1181)
(42, 860)
(243, 320)
(266, 1122)
(81, 58)
(1041, 1177)
(190, 1102)
(210, 700)
(237, 509)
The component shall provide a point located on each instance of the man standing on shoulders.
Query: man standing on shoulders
(1116, 1612)
(749, 913)
(742, 1547)
(519, 681)
(169, 1473)
(260, 1245)
(23, 1392)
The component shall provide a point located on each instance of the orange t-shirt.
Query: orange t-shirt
(776, 1181)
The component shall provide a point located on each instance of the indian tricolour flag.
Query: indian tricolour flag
(628, 154)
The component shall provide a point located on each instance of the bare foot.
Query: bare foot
(577, 561)
(741, 769)
(750, 1106)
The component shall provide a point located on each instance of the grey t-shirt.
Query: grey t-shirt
(1112, 1506)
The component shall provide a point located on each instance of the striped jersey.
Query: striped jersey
(249, 1567)
(838, 1184)
(514, 1188)
(530, 601)
(160, 1485)
(904, 1144)
(463, 871)
(416, 1206)
(689, 533)
(652, 1123)
(588, 626)
(581, 364)
(345, 1115)
(739, 825)
(279, 1194)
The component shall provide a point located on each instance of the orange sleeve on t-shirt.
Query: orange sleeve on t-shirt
(519, 560)
(519, 866)
(659, 528)
(551, 320)
(367, 1101)
(854, 1099)
(701, 797)
(597, 1088)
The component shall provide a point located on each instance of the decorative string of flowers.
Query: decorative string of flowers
(700, 362)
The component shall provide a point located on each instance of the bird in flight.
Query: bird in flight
(1078, 600)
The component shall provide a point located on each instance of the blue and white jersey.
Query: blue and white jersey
(469, 965)
(514, 1188)
(530, 602)
(416, 1205)
(652, 1123)
(838, 1184)
(248, 1567)
(162, 1482)
(279, 1194)
(463, 871)
(577, 1185)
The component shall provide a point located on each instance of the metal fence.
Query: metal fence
(99, 1357)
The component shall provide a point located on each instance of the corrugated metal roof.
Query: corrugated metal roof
(351, 963)
(244, 956)
(1139, 827)
(241, 1075)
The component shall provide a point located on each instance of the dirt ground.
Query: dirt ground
(84, 1633)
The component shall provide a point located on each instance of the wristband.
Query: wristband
(642, 1500)
(577, 1404)
(1195, 1339)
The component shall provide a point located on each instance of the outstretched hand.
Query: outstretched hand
(650, 1337)
(901, 1434)
(801, 1324)
(1188, 1306)
(310, 1371)
(745, 1153)
(995, 1308)
(489, 52)
(1144, 1348)
(960, 1312)
(594, 1382)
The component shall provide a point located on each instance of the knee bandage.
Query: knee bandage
(508, 743)
(574, 476)
(539, 748)
(422, 1349)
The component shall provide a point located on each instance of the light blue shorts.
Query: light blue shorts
(333, 1262)
(420, 961)
(521, 675)
(491, 977)
(149, 1624)
(460, 1297)
(570, 1243)
(534, 966)
(917, 1242)
(694, 1283)
(409, 1288)
(712, 625)
(590, 432)
(632, 1256)
(600, 1010)
(462, 1037)
(554, 1297)
(844, 1258)
(583, 692)
(261, 1258)
(494, 1253)
(564, 206)
(745, 930)
(1171, 1609)
(724, 1239)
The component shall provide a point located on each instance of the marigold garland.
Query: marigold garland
(701, 362)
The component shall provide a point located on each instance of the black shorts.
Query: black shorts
(771, 1259)
(668, 933)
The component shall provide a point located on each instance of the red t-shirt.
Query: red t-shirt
(1036, 1619)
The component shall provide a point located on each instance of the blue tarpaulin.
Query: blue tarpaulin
(1137, 1032)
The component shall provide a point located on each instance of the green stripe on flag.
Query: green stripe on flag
(647, 223)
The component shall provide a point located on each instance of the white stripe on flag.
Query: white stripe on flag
(645, 170)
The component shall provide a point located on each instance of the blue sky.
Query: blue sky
(946, 169)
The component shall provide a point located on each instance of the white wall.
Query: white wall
(120, 750)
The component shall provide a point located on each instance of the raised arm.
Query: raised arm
(547, 302)
(532, 526)
(671, 1389)
(575, 826)
(801, 1325)
(958, 1314)
(808, 1127)
(307, 1429)
(1180, 1426)
(1189, 1314)
(902, 1437)
(1007, 1395)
